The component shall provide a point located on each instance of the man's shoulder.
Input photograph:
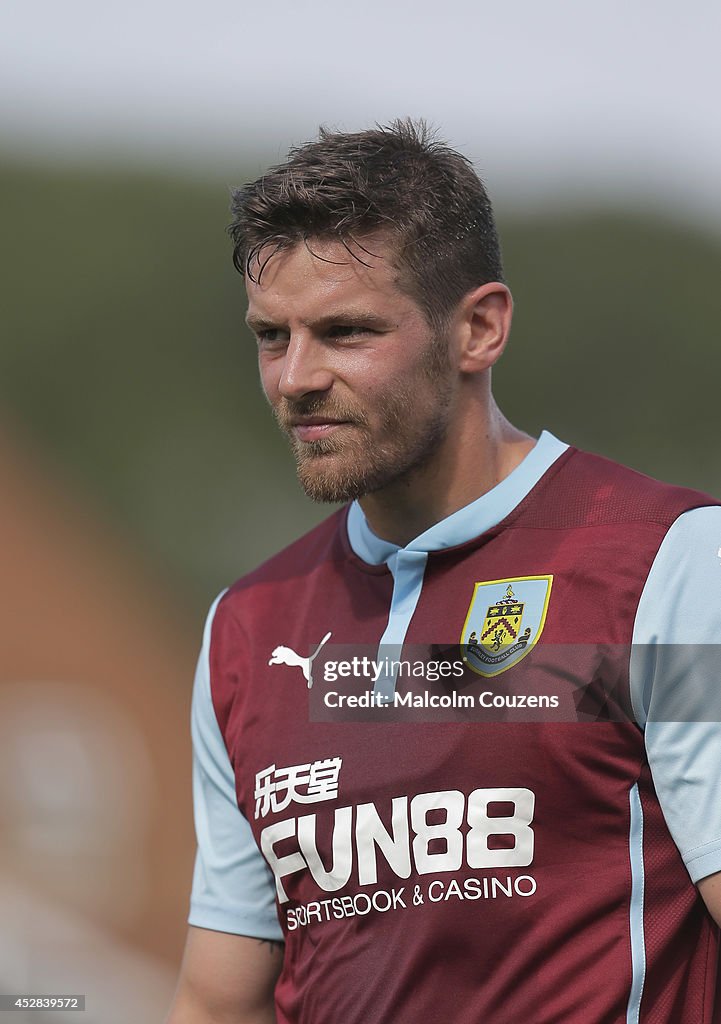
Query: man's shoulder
(322, 546)
(593, 489)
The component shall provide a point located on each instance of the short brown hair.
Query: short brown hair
(397, 179)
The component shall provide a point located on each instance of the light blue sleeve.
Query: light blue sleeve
(676, 684)
(233, 888)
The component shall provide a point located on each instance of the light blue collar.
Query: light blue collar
(468, 522)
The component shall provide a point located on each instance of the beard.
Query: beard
(361, 458)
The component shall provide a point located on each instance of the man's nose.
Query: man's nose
(305, 367)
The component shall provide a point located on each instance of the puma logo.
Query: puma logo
(287, 656)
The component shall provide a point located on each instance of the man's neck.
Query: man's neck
(463, 469)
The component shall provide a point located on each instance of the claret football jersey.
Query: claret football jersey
(474, 779)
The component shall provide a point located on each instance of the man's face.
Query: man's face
(355, 376)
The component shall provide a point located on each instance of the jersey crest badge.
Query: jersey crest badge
(504, 621)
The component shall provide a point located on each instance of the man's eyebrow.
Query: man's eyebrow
(258, 323)
(343, 318)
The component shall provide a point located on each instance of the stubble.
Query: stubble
(368, 453)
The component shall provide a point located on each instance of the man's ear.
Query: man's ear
(483, 324)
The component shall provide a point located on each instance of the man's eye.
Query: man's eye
(347, 330)
(272, 335)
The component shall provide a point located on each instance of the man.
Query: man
(537, 852)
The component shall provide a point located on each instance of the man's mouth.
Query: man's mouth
(313, 428)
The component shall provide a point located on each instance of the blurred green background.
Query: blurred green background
(126, 363)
